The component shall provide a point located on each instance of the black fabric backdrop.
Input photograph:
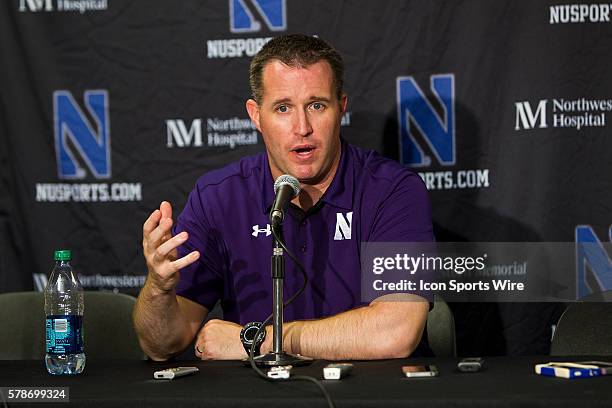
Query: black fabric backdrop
(173, 95)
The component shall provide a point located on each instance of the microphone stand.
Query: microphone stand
(277, 357)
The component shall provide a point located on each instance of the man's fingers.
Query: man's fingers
(165, 238)
(151, 223)
(155, 237)
(166, 269)
(166, 209)
(186, 260)
(168, 248)
(158, 224)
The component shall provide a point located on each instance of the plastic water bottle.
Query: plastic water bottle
(64, 307)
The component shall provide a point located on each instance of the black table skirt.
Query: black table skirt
(504, 382)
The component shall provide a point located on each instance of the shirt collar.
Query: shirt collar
(339, 193)
(267, 193)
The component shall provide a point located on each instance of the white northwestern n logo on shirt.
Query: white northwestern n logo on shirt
(344, 223)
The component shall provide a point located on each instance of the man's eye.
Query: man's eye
(282, 109)
(318, 106)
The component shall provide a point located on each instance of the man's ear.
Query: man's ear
(343, 102)
(253, 110)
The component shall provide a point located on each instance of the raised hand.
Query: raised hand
(159, 248)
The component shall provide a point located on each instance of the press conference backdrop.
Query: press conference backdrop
(109, 107)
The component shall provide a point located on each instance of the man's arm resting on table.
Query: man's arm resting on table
(165, 323)
(383, 329)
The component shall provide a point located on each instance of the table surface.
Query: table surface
(505, 381)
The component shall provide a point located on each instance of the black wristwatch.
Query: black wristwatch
(247, 335)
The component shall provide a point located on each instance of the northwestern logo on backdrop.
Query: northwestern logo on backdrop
(35, 6)
(438, 131)
(427, 134)
(91, 141)
(561, 113)
(249, 16)
(83, 150)
(580, 13)
(593, 263)
(271, 12)
(96, 281)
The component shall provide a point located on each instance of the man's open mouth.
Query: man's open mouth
(303, 150)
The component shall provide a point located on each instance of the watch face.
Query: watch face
(249, 331)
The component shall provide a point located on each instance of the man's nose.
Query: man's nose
(303, 126)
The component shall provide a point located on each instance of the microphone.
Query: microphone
(286, 187)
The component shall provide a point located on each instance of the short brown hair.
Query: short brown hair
(295, 50)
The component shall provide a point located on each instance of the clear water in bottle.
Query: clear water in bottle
(64, 306)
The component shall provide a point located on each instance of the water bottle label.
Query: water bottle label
(64, 334)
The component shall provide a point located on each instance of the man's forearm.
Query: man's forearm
(161, 327)
(379, 330)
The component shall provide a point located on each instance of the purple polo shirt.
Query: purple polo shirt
(373, 199)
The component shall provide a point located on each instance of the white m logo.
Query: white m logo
(526, 117)
(344, 223)
(177, 132)
(35, 5)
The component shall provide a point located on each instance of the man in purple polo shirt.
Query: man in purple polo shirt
(220, 247)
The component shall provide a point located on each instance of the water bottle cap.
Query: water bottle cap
(63, 255)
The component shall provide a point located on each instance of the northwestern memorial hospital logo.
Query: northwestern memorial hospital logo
(573, 114)
(80, 6)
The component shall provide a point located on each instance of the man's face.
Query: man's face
(299, 117)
